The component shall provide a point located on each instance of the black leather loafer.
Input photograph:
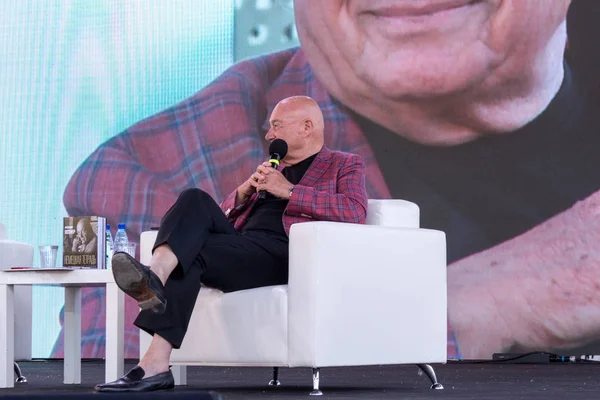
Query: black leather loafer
(139, 282)
(134, 381)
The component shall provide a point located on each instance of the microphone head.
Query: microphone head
(278, 146)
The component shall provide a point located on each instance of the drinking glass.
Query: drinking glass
(48, 256)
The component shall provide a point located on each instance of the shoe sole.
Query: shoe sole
(132, 389)
(131, 280)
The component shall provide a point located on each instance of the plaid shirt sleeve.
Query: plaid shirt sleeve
(349, 204)
(230, 209)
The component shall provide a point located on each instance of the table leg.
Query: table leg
(72, 336)
(7, 336)
(179, 374)
(115, 321)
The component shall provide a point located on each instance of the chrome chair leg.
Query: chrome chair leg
(20, 377)
(316, 391)
(428, 370)
(275, 380)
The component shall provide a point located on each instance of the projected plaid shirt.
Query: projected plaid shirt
(213, 141)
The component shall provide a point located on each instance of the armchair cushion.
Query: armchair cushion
(395, 213)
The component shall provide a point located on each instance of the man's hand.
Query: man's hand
(75, 245)
(272, 181)
(538, 291)
(265, 178)
(248, 188)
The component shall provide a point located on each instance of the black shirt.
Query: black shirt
(266, 215)
(494, 188)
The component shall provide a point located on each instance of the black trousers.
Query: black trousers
(210, 252)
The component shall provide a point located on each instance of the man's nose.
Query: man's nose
(270, 135)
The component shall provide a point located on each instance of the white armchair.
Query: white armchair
(356, 295)
(14, 254)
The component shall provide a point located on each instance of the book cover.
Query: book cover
(84, 242)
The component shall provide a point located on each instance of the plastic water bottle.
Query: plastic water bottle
(109, 247)
(121, 240)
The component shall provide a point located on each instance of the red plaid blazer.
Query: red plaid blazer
(332, 189)
(212, 141)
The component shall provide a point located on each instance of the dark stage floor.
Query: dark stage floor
(462, 380)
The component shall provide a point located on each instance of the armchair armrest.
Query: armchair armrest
(147, 240)
(364, 294)
(15, 254)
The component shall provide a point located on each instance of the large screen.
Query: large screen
(113, 108)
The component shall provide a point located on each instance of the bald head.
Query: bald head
(84, 230)
(303, 107)
(299, 121)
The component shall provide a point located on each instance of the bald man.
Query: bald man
(241, 244)
(85, 241)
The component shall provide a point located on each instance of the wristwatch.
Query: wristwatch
(291, 189)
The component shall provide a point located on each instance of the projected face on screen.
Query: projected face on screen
(398, 52)
(424, 48)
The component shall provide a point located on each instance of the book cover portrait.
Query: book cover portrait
(82, 241)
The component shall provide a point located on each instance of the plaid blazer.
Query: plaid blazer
(213, 141)
(332, 189)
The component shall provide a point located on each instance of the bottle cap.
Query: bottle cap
(121, 226)
(108, 227)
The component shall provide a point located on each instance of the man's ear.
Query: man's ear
(307, 127)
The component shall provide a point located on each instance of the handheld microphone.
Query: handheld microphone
(277, 150)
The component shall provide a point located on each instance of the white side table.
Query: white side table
(72, 281)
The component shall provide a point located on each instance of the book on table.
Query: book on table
(84, 242)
